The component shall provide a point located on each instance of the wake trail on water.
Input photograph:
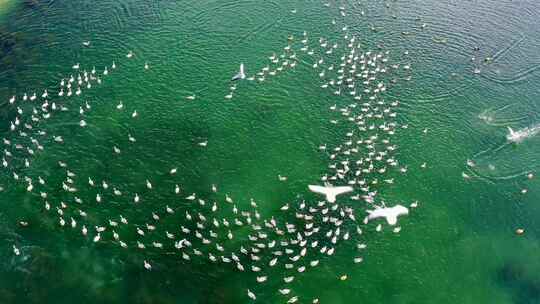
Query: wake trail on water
(514, 158)
(501, 116)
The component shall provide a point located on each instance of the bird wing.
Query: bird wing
(318, 189)
(511, 131)
(240, 74)
(340, 190)
(236, 77)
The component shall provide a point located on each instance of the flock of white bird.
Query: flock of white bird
(215, 227)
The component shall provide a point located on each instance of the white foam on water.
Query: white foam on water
(522, 134)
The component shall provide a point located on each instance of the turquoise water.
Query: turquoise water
(458, 246)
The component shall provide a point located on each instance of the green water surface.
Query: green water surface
(458, 246)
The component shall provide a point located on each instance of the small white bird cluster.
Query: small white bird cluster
(33, 110)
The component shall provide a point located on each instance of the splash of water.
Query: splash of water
(522, 134)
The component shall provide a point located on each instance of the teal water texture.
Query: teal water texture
(458, 246)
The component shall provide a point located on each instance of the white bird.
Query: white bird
(330, 191)
(251, 295)
(241, 74)
(147, 265)
(240, 266)
(293, 300)
(390, 213)
(288, 279)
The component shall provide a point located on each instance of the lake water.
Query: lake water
(474, 71)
